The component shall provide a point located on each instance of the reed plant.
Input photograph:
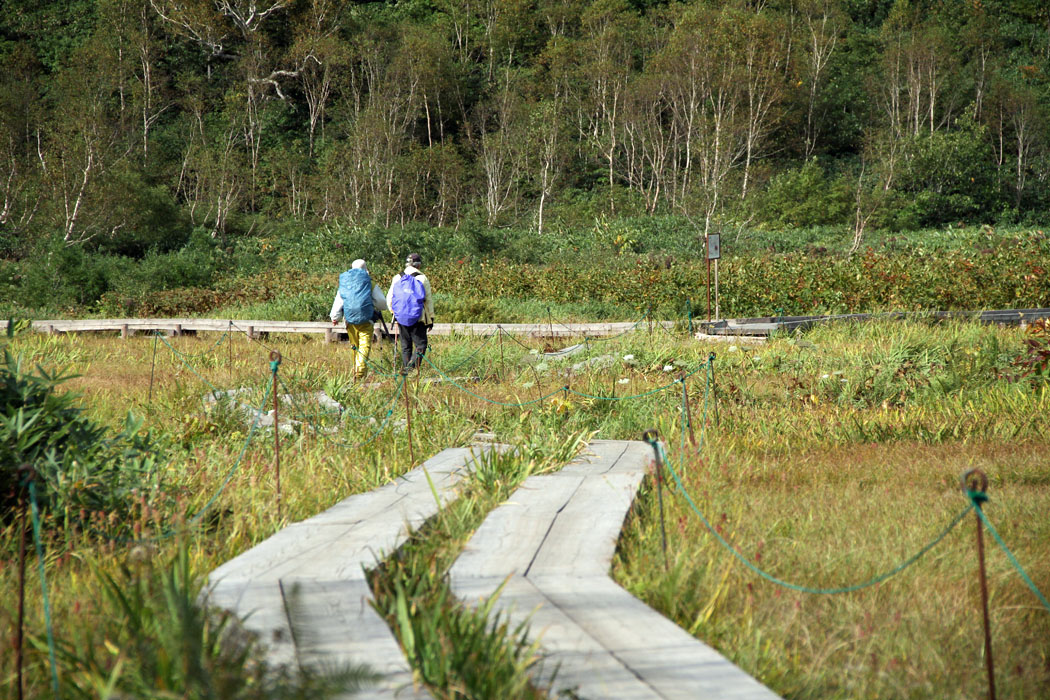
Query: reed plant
(456, 650)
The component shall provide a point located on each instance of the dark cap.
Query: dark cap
(414, 259)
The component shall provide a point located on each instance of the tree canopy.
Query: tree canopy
(125, 124)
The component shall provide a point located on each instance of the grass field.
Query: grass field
(835, 455)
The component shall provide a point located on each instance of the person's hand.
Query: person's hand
(334, 322)
(429, 327)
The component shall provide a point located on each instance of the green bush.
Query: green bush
(68, 279)
(173, 645)
(78, 464)
(804, 197)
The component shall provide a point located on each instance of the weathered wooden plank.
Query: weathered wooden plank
(745, 327)
(320, 327)
(598, 457)
(257, 563)
(319, 565)
(510, 536)
(260, 607)
(582, 539)
(355, 529)
(638, 455)
(335, 625)
(575, 659)
(661, 653)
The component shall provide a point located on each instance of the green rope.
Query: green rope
(202, 353)
(374, 434)
(215, 391)
(259, 342)
(376, 369)
(313, 416)
(625, 332)
(43, 587)
(302, 415)
(465, 390)
(667, 331)
(707, 394)
(979, 497)
(229, 476)
(793, 586)
(473, 354)
(514, 338)
(236, 464)
(598, 397)
(657, 390)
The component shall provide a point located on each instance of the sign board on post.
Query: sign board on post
(714, 252)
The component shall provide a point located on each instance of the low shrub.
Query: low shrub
(163, 640)
(77, 464)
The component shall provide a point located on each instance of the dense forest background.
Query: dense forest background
(162, 143)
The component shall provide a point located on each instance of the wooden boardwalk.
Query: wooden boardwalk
(254, 328)
(760, 326)
(766, 325)
(548, 551)
(304, 592)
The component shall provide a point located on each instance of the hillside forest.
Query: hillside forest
(160, 144)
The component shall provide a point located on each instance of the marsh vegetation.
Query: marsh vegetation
(827, 458)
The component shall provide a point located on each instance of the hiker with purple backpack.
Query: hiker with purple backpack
(411, 302)
(360, 303)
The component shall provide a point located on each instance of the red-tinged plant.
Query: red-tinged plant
(1035, 362)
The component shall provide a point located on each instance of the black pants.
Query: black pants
(412, 336)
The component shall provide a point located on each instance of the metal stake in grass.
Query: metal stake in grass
(688, 408)
(975, 485)
(275, 362)
(714, 388)
(502, 367)
(153, 366)
(651, 436)
(550, 322)
(408, 417)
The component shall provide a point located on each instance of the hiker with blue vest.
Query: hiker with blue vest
(412, 304)
(360, 303)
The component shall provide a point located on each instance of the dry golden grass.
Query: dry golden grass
(827, 489)
(822, 481)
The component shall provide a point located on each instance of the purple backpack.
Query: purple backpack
(407, 300)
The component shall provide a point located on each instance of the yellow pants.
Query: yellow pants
(360, 343)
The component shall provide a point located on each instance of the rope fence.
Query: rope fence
(203, 353)
(974, 484)
(319, 430)
(976, 499)
(662, 457)
(313, 421)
